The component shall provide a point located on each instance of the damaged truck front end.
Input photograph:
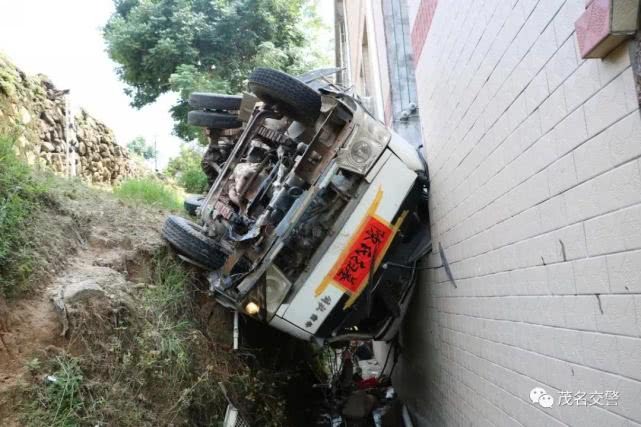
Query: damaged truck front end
(318, 216)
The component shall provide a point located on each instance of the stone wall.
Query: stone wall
(34, 110)
(99, 157)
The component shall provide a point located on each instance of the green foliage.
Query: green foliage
(139, 147)
(168, 297)
(205, 45)
(147, 353)
(193, 180)
(151, 39)
(190, 156)
(20, 197)
(59, 402)
(9, 77)
(164, 344)
(160, 364)
(187, 170)
(7, 83)
(153, 367)
(150, 192)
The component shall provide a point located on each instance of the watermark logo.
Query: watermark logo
(595, 398)
(540, 396)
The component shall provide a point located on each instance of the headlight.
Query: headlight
(364, 145)
(252, 308)
(361, 152)
(277, 288)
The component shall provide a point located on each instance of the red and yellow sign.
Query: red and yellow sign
(359, 260)
(363, 253)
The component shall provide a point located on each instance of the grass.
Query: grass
(38, 232)
(151, 367)
(7, 80)
(61, 393)
(22, 194)
(156, 365)
(150, 192)
(193, 180)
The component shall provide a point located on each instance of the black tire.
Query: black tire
(210, 120)
(192, 203)
(189, 240)
(293, 97)
(214, 101)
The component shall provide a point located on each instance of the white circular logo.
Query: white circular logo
(540, 396)
(546, 401)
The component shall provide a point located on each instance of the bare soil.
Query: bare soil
(83, 229)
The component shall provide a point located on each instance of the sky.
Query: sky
(62, 39)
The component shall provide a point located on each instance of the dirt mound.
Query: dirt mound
(119, 331)
(94, 239)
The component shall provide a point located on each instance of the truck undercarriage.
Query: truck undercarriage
(289, 197)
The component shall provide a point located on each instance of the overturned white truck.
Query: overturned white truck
(318, 213)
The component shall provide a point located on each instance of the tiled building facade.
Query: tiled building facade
(535, 167)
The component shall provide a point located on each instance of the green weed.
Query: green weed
(59, 400)
(157, 365)
(166, 340)
(193, 180)
(21, 195)
(169, 295)
(149, 192)
(7, 81)
(140, 370)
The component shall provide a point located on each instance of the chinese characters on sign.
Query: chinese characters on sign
(580, 398)
(595, 398)
(323, 305)
(355, 268)
(361, 255)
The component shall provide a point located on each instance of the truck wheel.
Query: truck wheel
(192, 203)
(293, 97)
(210, 120)
(214, 101)
(189, 240)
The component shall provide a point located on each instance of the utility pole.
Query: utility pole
(69, 136)
(155, 154)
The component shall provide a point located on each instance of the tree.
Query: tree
(207, 45)
(187, 170)
(139, 147)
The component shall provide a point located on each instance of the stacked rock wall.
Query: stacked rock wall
(99, 157)
(35, 112)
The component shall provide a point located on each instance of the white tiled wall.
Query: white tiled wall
(535, 165)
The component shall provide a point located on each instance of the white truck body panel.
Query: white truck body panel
(394, 180)
(406, 152)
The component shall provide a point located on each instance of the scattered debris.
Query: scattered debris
(359, 391)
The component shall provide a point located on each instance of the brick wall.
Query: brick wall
(535, 165)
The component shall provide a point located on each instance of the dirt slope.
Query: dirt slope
(99, 240)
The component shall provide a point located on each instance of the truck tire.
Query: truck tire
(293, 97)
(211, 120)
(214, 101)
(189, 240)
(192, 203)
